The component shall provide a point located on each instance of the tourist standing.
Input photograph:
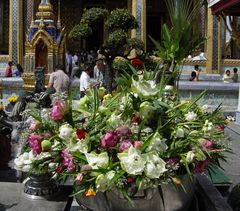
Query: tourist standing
(235, 75)
(69, 61)
(76, 71)
(85, 81)
(59, 80)
(98, 72)
(9, 69)
(75, 59)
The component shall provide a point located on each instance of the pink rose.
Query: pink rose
(79, 179)
(68, 160)
(123, 131)
(58, 110)
(201, 166)
(207, 143)
(125, 145)
(137, 144)
(34, 125)
(35, 143)
(109, 140)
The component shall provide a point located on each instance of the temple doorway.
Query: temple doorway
(41, 55)
(156, 16)
(4, 26)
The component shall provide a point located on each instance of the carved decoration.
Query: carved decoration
(231, 62)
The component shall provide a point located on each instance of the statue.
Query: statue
(40, 79)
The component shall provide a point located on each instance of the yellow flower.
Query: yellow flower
(1, 107)
(90, 192)
(107, 97)
(12, 99)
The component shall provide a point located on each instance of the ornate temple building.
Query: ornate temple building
(34, 33)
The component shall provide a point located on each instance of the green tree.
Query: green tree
(118, 23)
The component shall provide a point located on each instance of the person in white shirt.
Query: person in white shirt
(86, 82)
(75, 59)
(98, 71)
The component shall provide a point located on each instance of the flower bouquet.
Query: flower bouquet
(137, 139)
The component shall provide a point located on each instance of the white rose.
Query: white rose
(115, 120)
(97, 160)
(81, 146)
(52, 165)
(23, 161)
(190, 116)
(132, 161)
(26, 168)
(66, 132)
(180, 133)
(103, 181)
(190, 156)
(208, 126)
(157, 143)
(205, 107)
(155, 166)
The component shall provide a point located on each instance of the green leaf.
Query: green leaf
(79, 156)
(126, 196)
(116, 177)
(166, 34)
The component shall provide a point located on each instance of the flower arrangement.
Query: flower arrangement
(13, 99)
(141, 137)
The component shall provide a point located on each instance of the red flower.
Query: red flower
(136, 119)
(59, 170)
(81, 134)
(137, 63)
(130, 180)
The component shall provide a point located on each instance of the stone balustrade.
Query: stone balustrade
(218, 91)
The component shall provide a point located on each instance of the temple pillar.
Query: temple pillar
(219, 40)
(20, 33)
(143, 23)
(212, 43)
(129, 5)
(29, 12)
(139, 12)
(13, 28)
(134, 13)
(1, 22)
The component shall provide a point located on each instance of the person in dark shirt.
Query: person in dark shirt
(235, 75)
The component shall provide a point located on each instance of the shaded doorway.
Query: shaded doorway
(156, 17)
(41, 53)
(4, 27)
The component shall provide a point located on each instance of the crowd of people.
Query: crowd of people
(90, 69)
(227, 77)
(90, 74)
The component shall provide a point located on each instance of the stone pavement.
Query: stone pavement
(232, 167)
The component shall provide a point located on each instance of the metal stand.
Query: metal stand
(40, 186)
